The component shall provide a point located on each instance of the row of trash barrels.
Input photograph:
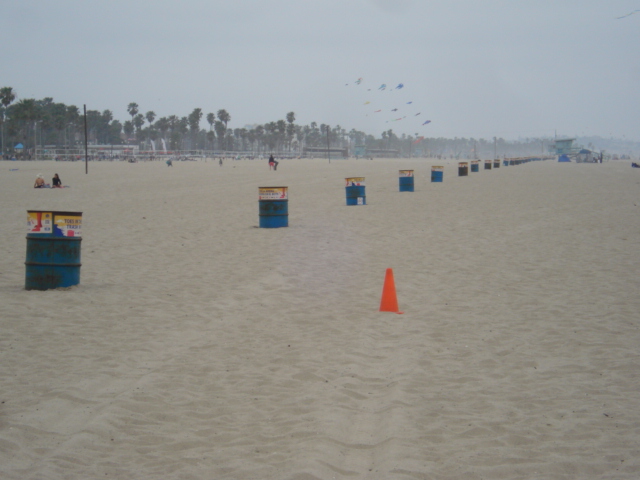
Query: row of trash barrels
(54, 237)
(273, 201)
(463, 167)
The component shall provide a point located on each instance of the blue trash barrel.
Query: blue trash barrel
(437, 174)
(512, 162)
(463, 169)
(475, 166)
(273, 207)
(496, 164)
(406, 180)
(355, 190)
(505, 163)
(487, 164)
(53, 249)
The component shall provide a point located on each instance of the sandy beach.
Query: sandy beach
(198, 346)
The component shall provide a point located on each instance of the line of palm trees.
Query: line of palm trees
(37, 123)
(45, 122)
(185, 132)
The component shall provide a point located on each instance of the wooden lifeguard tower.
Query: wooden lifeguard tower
(565, 147)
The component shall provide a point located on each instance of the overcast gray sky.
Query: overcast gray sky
(508, 68)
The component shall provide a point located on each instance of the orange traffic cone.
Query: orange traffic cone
(389, 301)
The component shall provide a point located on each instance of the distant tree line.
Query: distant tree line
(41, 123)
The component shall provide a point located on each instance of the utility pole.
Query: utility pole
(328, 151)
(495, 147)
(86, 148)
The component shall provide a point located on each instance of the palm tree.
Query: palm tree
(244, 136)
(163, 125)
(224, 117)
(220, 127)
(138, 122)
(251, 138)
(259, 135)
(301, 135)
(150, 116)
(114, 132)
(182, 127)
(128, 128)
(281, 128)
(194, 125)
(132, 108)
(211, 137)
(271, 137)
(59, 119)
(229, 140)
(7, 96)
(105, 119)
(93, 125)
(220, 133)
(72, 120)
(291, 117)
(211, 118)
(26, 112)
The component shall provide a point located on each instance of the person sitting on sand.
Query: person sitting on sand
(56, 182)
(272, 163)
(39, 182)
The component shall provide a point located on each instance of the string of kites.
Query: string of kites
(627, 15)
(382, 88)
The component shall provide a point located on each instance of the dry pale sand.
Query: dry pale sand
(198, 346)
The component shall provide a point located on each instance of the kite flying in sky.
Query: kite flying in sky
(382, 103)
(628, 14)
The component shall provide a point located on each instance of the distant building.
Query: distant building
(382, 153)
(322, 152)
